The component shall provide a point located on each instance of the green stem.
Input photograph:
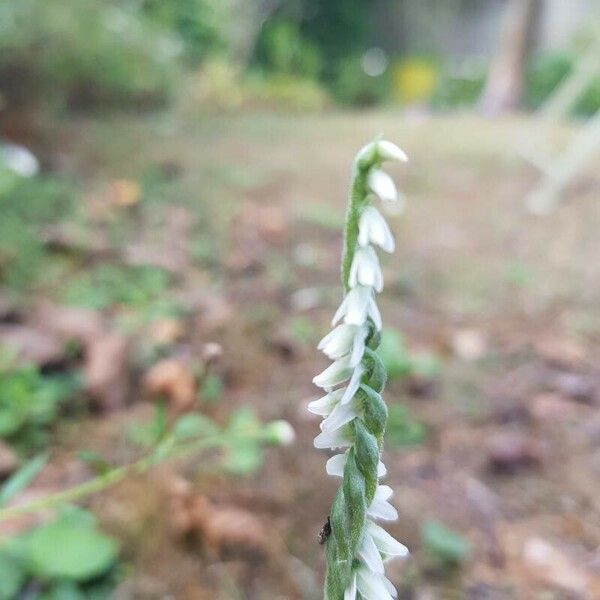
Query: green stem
(358, 199)
(114, 476)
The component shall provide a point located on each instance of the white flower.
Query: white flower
(281, 432)
(389, 151)
(370, 555)
(338, 438)
(382, 185)
(385, 151)
(19, 160)
(335, 373)
(357, 305)
(335, 466)
(372, 228)
(344, 339)
(380, 508)
(372, 586)
(365, 269)
(323, 406)
(340, 415)
(353, 385)
(385, 543)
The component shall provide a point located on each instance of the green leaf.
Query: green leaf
(12, 576)
(150, 434)
(70, 548)
(394, 354)
(64, 590)
(243, 457)
(244, 421)
(443, 544)
(98, 463)
(22, 478)
(425, 364)
(212, 388)
(193, 426)
(402, 430)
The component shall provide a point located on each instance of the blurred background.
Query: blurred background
(173, 179)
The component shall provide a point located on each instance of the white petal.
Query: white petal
(373, 228)
(341, 414)
(384, 492)
(370, 555)
(373, 312)
(350, 591)
(371, 585)
(19, 160)
(380, 508)
(358, 345)
(385, 542)
(339, 341)
(338, 438)
(353, 385)
(390, 587)
(365, 269)
(334, 374)
(354, 306)
(323, 406)
(389, 151)
(382, 185)
(335, 465)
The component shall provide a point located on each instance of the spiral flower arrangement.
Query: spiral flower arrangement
(354, 413)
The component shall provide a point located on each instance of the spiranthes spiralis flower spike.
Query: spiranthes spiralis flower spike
(354, 413)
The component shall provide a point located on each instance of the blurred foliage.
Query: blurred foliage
(282, 50)
(108, 284)
(67, 558)
(286, 92)
(352, 86)
(402, 430)
(30, 402)
(296, 54)
(211, 388)
(82, 53)
(459, 85)
(27, 205)
(19, 480)
(400, 362)
(549, 70)
(198, 23)
(338, 28)
(444, 547)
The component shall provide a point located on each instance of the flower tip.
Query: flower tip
(389, 151)
(281, 433)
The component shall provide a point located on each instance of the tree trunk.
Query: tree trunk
(504, 84)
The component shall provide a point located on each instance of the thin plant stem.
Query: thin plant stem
(106, 480)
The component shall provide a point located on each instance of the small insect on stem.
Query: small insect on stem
(325, 532)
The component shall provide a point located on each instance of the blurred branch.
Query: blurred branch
(247, 19)
(168, 449)
(503, 89)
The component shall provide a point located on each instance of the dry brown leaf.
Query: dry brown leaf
(31, 345)
(227, 530)
(547, 565)
(106, 370)
(173, 379)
